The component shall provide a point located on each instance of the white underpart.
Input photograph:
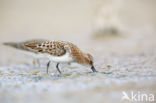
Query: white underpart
(66, 58)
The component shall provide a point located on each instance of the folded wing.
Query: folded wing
(53, 48)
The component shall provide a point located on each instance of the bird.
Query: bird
(21, 47)
(61, 52)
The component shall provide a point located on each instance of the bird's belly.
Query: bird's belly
(64, 59)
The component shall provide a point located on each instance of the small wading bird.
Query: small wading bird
(55, 51)
(21, 47)
(61, 52)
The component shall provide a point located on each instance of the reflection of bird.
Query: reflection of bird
(21, 46)
(61, 52)
(125, 96)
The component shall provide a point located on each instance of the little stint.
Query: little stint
(61, 52)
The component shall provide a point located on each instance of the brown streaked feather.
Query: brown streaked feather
(53, 48)
(31, 45)
(76, 53)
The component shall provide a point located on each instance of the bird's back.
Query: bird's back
(53, 48)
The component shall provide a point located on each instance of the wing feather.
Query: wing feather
(53, 48)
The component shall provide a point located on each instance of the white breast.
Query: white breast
(65, 58)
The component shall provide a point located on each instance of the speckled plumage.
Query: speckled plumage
(62, 51)
(56, 51)
(52, 48)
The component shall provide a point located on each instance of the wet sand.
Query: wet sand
(125, 62)
(118, 70)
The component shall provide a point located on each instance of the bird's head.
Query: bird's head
(89, 61)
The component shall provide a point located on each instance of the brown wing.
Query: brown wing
(33, 41)
(21, 45)
(50, 47)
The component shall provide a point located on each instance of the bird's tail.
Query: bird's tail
(11, 44)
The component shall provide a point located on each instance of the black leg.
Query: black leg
(93, 69)
(57, 66)
(48, 66)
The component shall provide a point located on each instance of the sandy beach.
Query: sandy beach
(126, 61)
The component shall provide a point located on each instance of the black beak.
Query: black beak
(93, 69)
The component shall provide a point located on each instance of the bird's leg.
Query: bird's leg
(69, 63)
(48, 66)
(34, 62)
(38, 62)
(57, 66)
(93, 68)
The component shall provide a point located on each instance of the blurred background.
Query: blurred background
(119, 33)
(78, 19)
